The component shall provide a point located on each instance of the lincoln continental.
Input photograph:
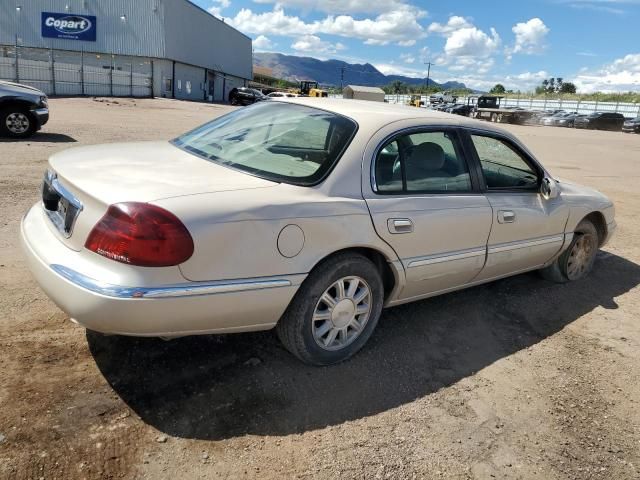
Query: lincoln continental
(305, 215)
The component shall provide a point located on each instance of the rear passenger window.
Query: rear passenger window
(422, 163)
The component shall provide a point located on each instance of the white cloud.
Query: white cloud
(407, 57)
(530, 76)
(470, 41)
(467, 48)
(275, 22)
(313, 44)
(262, 43)
(216, 10)
(339, 6)
(393, 69)
(530, 36)
(454, 23)
(621, 75)
(606, 6)
(399, 26)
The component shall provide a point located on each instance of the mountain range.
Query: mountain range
(328, 72)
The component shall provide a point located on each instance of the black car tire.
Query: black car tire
(6, 112)
(585, 239)
(295, 328)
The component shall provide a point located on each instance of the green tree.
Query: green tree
(397, 87)
(498, 88)
(568, 87)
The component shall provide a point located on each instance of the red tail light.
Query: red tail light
(141, 234)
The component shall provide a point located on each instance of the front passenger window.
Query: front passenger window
(503, 167)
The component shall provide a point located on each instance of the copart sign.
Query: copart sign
(69, 26)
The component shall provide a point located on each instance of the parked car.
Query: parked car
(461, 109)
(632, 126)
(310, 220)
(543, 116)
(281, 95)
(23, 110)
(568, 120)
(550, 120)
(246, 96)
(601, 121)
(556, 119)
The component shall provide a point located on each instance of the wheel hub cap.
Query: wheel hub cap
(341, 313)
(17, 122)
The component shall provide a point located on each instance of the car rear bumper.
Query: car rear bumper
(175, 310)
(631, 129)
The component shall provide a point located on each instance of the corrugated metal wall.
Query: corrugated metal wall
(153, 29)
(141, 32)
(195, 37)
(189, 82)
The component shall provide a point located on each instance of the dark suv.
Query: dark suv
(23, 110)
(600, 121)
(246, 96)
(632, 126)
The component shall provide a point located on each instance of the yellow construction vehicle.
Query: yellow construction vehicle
(310, 89)
(416, 101)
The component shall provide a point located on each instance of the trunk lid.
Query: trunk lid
(101, 175)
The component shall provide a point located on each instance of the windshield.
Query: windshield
(274, 140)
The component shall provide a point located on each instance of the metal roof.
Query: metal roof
(361, 88)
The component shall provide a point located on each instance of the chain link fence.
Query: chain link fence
(62, 72)
(543, 104)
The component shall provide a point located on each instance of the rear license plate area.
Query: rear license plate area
(61, 206)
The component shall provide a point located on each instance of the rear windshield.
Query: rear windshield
(275, 140)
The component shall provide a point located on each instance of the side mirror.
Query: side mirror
(549, 188)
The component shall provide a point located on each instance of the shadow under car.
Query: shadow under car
(217, 387)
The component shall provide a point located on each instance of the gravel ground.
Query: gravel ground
(516, 379)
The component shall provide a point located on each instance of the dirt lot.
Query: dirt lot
(517, 379)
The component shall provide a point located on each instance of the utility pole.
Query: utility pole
(428, 71)
(341, 78)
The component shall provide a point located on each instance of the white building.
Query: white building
(359, 92)
(169, 48)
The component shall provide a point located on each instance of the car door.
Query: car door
(527, 228)
(425, 203)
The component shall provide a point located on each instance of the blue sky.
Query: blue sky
(593, 43)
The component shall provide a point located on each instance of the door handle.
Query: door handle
(400, 225)
(506, 216)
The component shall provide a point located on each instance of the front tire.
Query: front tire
(17, 122)
(576, 261)
(334, 312)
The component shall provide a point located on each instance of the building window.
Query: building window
(179, 85)
(167, 84)
(187, 86)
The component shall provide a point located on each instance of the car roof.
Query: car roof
(375, 115)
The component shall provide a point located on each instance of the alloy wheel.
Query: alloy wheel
(341, 313)
(17, 123)
(581, 256)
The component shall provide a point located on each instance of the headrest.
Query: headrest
(427, 155)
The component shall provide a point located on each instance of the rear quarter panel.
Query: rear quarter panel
(236, 233)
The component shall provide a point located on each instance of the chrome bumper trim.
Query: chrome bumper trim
(167, 291)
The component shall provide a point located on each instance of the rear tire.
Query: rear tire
(320, 334)
(17, 122)
(576, 261)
